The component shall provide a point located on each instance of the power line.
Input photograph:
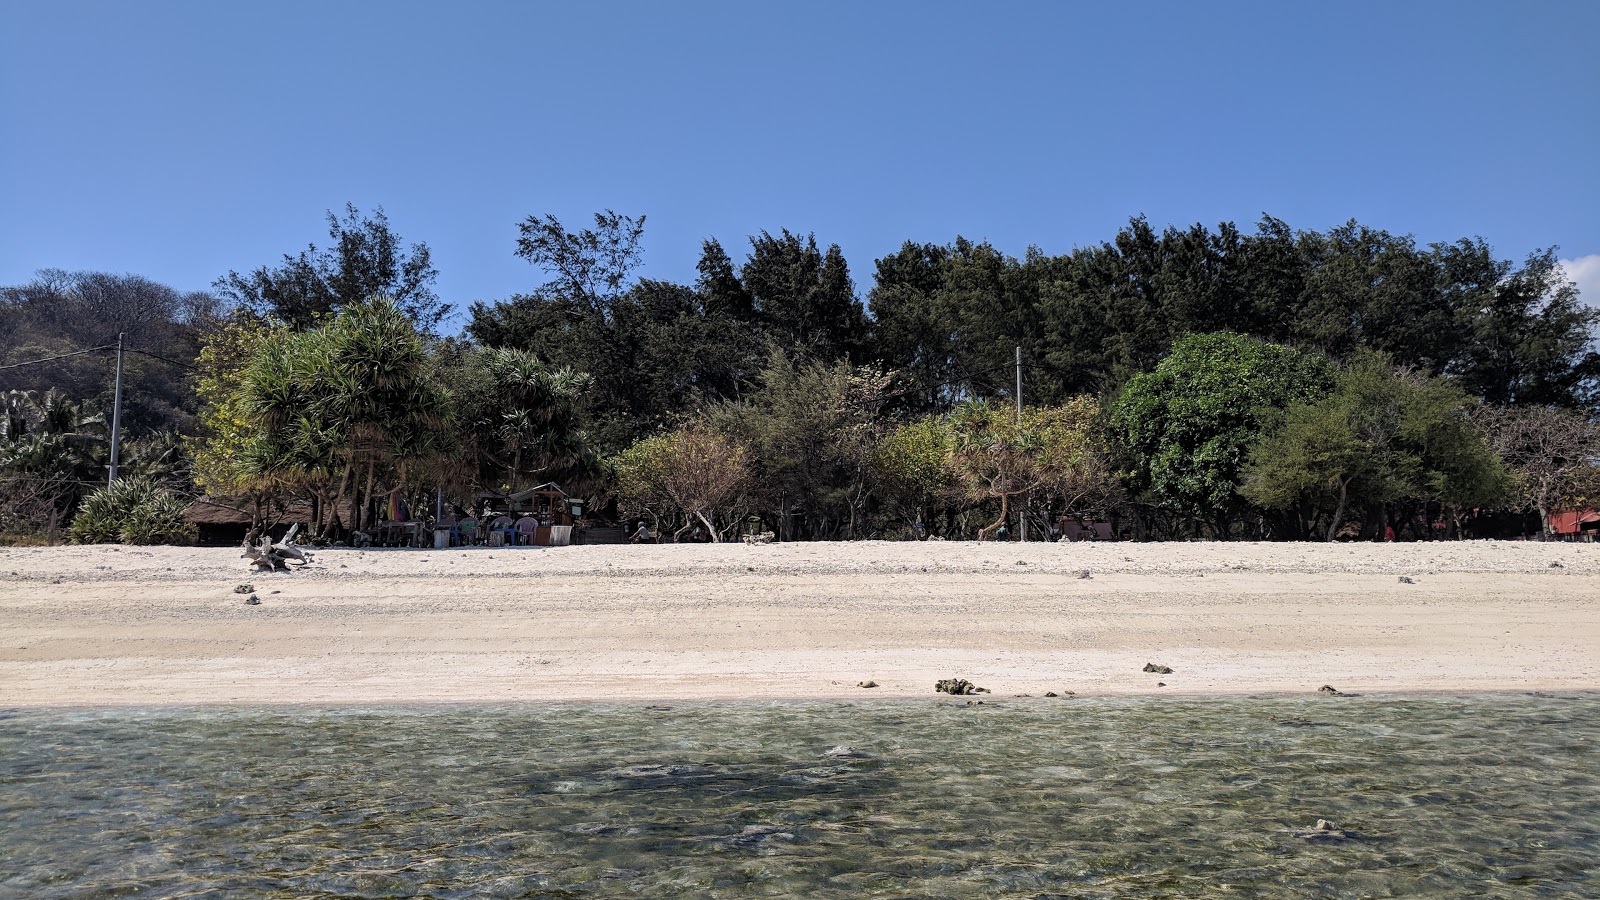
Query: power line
(170, 362)
(34, 362)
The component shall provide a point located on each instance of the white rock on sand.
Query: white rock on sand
(116, 625)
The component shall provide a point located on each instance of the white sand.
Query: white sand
(109, 625)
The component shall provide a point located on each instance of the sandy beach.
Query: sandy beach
(138, 625)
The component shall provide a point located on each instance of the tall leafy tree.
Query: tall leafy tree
(365, 258)
(519, 421)
(1527, 338)
(1188, 425)
(590, 267)
(1380, 438)
(803, 296)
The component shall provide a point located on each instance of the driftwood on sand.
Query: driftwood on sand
(269, 556)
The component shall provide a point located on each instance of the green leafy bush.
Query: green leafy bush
(132, 511)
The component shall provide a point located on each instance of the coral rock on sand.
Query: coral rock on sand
(869, 683)
(1159, 670)
(1330, 690)
(958, 686)
(243, 588)
(253, 600)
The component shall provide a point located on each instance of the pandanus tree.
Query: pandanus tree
(342, 405)
(519, 419)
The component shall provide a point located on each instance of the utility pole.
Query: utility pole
(1022, 519)
(116, 415)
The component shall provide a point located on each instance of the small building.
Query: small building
(548, 503)
(1575, 524)
(224, 521)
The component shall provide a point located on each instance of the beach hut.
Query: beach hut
(548, 505)
(1575, 524)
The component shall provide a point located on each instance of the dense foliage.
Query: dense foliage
(1180, 383)
(132, 511)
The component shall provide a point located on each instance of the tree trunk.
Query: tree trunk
(1004, 512)
(366, 499)
(710, 528)
(337, 517)
(1338, 512)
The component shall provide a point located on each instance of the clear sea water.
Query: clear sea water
(1480, 796)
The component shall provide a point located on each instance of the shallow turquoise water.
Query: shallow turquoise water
(1477, 796)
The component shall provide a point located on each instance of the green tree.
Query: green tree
(345, 404)
(811, 429)
(1381, 436)
(692, 472)
(910, 469)
(589, 267)
(803, 296)
(519, 420)
(227, 443)
(1047, 452)
(1527, 337)
(1188, 425)
(365, 259)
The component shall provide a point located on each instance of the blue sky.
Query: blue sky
(181, 140)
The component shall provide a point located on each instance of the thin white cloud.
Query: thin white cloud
(1585, 271)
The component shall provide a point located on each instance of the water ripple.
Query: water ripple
(1494, 796)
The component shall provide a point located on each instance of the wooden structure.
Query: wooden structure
(552, 508)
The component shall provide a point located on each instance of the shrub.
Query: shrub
(132, 511)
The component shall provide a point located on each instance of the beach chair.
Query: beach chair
(464, 532)
(527, 530)
(502, 532)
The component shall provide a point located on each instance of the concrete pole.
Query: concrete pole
(116, 417)
(1022, 518)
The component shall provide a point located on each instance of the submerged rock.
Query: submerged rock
(843, 751)
(658, 771)
(1324, 830)
(1330, 690)
(1159, 670)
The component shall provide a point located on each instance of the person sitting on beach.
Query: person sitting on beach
(642, 536)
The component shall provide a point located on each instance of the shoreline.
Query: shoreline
(702, 704)
(106, 626)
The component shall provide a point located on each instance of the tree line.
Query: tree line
(1183, 383)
